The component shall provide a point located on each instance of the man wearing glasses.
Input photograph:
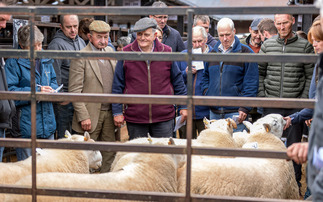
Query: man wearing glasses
(171, 36)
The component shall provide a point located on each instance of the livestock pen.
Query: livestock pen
(188, 100)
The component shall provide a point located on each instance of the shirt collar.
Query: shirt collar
(228, 50)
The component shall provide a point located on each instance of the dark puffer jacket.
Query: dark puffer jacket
(285, 80)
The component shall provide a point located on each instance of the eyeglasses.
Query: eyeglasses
(165, 17)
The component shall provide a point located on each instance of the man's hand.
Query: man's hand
(242, 116)
(86, 124)
(118, 120)
(288, 122)
(46, 89)
(193, 70)
(183, 113)
(309, 122)
(298, 152)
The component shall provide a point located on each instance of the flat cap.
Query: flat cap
(144, 23)
(254, 24)
(99, 26)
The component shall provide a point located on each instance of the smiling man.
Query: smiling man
(286, 80)
(254, 38)
(66, 39)
(94, 76)
(147, 78)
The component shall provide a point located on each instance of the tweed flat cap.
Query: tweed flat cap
(144, 23)
(99, 26)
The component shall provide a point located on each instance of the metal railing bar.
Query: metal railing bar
(145, 148)
(164, 99)
(216, 57)
(130, 195)
(176, 10)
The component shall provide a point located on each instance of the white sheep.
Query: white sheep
(219, 135)
(252, 177)
(275, 124)
(54, 160)
(145, 172)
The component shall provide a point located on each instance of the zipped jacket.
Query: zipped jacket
(231, 78)
(147, 78)
(18, 78)
(285, 80)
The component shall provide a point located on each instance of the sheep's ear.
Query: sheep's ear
(149, 139)
(87, 136)
(68, 134)
(247, 124)
(267, 127)
(171, 141)
(231, 123)
(206, 123)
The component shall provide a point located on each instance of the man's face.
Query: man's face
(226, 36)
(161, 20)
(146, 38)
(99, 40)
(255, 37)
(205, 25)
(3, 20)
(199, 42)
(284, 23)
(70, 26)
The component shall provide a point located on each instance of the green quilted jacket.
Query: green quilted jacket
(285, 80)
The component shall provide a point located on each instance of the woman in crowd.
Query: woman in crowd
(18, 78)
(298, 151)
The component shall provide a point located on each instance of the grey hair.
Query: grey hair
(24, 36)
(159, 4)
(61, 19)
(154, 30)
(123, 41)
(203, 18)
(199, 30)
(225, 22)
(319, 4)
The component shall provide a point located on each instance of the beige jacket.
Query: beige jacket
(85, 77)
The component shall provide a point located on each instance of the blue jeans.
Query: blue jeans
(64, 118)
(160, 129)
(2, 135)
(23, 153)
(240, 127)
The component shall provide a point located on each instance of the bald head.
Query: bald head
(4, 17)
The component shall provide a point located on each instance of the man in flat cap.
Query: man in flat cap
(94, 76)
(147, 78)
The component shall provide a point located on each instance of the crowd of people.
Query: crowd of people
(150, 35)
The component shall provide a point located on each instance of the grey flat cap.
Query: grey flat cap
(254, 24)
(144, 23)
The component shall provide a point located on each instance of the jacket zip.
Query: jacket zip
(282, 74)
(221, 70)
(149, 91)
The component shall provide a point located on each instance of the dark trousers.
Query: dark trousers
(293, 134)
(198, 126)
(160, 129)
(64, 118)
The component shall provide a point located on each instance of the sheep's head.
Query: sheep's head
(94, 156)
(273, 123)
(223, 125)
